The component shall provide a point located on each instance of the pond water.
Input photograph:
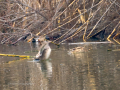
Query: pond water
(96, 68)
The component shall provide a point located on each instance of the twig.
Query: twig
(24, 36)
(100, 18)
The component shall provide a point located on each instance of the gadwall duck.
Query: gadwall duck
(44, 51)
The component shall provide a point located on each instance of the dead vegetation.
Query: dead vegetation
(61, 20)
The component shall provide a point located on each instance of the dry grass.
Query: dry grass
(66, 18)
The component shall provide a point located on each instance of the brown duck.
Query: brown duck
(44, 51)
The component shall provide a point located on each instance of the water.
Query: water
(96, 68)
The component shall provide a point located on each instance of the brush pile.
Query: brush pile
(60, 20)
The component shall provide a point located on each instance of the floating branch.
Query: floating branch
(21, 56)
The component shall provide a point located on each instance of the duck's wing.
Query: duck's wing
(38, 55)
(42, 49)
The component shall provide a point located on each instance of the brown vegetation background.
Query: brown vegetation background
(61, 20)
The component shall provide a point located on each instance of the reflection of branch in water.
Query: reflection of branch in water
(9, 62)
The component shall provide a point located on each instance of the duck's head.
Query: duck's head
(41, 39)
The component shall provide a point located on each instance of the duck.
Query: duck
(44, 51)
(76, 50)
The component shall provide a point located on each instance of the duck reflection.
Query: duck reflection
(46, 67)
